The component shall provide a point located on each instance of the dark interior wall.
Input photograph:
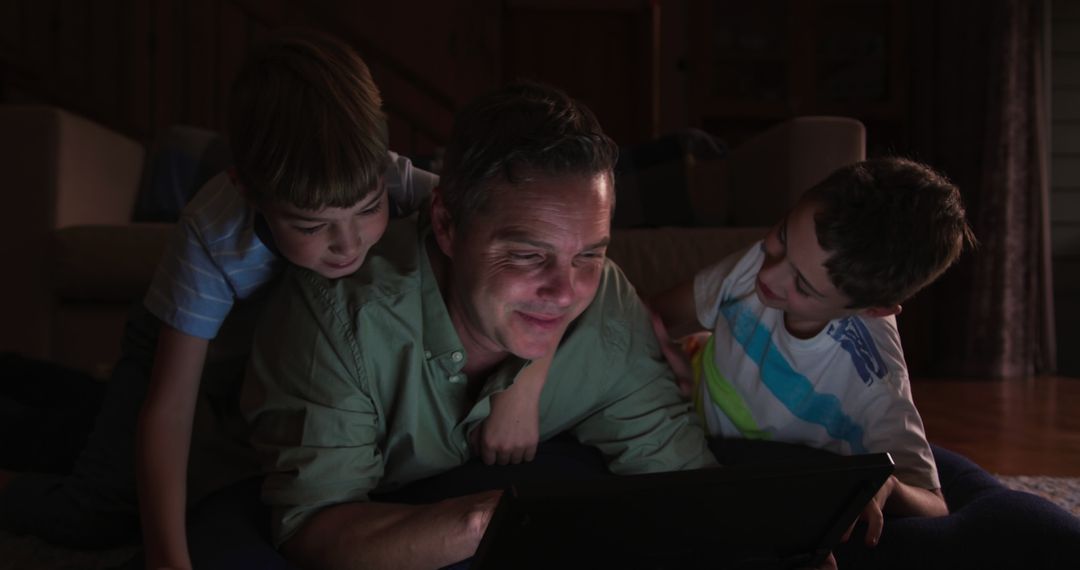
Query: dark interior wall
(1065, 179)
(140, 65)
(646, 67)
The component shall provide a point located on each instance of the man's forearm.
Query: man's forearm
(389, 535)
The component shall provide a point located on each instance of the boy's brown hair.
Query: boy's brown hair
(891, 226)
(305, 123)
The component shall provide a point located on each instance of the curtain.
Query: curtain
(979, 113)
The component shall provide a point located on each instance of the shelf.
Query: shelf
(778, 59)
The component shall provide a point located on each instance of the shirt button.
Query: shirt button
(457, 356)
(455, 379)
(427, 354)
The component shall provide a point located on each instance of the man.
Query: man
(365, 384)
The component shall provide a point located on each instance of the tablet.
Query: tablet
(744, 516)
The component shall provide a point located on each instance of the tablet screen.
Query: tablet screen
(776, 516)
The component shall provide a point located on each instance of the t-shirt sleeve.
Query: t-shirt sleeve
(314, 423)
(643, 425)
(898, 430)
(894, 424)
(730, 277)
(189, 291)
(407, 185)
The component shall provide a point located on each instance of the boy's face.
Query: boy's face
(793, 277)
(332, 242)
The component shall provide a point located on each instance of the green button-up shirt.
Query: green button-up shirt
(356, 384)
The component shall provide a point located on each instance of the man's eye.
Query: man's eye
(524, 257)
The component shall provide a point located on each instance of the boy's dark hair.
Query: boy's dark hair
(517, 132)
(305, 123)
(891, 226)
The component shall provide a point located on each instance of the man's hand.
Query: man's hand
(873, 514)
(393, 535)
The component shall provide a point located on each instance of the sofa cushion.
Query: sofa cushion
(660, 258)
(106, 263)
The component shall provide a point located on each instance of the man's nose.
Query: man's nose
(558, 285)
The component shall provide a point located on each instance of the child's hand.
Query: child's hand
(675, 356)
(873, 514)
(511, 432)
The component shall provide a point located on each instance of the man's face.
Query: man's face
(332, 242)
(528, 265)
(794, 278)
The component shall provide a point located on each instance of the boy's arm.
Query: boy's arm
(510, 434)
(898, 498)
(388, 535)
(407, 186)
(674, 315)
(911, 501)
(163, 444)
(677, 310)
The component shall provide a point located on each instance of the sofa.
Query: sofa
(81, 261)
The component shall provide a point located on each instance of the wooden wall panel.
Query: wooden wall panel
(601, 53)
(138, 74)
(233, 43)
(104, 59)
(1065, 179)
(200, 77)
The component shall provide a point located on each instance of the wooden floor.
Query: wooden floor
(1011, 427)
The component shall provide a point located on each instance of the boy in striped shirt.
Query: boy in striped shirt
(804, 346)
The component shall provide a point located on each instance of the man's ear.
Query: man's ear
(884, 311)
(442, 224)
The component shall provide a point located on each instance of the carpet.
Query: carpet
(27, 552)
(1064, 491)
(31, 553)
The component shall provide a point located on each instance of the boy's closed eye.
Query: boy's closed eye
(309, 230)
(372, 210)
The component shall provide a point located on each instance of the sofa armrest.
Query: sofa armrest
(108, 264)
(97, 274)
(86, 173)
(772, 169)
(59, 170)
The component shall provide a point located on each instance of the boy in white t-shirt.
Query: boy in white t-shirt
(804, 346)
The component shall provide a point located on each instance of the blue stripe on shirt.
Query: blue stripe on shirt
(792, 389)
